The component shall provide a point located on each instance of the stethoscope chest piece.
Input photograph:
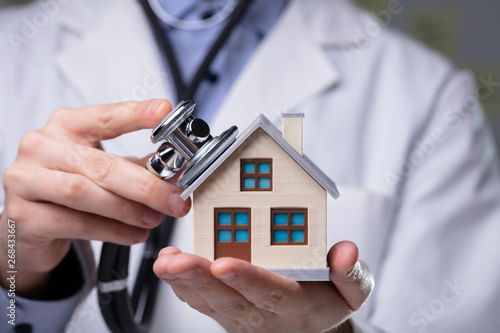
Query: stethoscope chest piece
(186, 141)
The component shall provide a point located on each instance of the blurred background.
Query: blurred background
(466, 32)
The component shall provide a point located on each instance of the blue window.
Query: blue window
(280, 235)
(224, 235)
(297, 219)
(249, 167)
(256, 175)
(289, 226)
(241, 235)
(280, 218)
(241, 218)
(264, 167)
(232, 225)
(224, 218)
(297, 236)
(249, 182)
(264, 182)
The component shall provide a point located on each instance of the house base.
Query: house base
(303, 273)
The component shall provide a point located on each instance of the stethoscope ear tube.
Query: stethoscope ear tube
(188, 91)
(124, 313)
(112, 291)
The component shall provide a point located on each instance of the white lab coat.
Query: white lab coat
(384, 118)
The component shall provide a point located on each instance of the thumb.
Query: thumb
(352, 277)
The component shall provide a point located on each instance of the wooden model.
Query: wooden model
(264, 202)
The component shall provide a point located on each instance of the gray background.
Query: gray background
(466, 32)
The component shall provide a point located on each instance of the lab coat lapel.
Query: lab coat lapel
(110, 57)
(114, 57)
(282, 75)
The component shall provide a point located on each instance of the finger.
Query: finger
(312, 305)
(190, 277)
(162, 268)
(351, 277)
(46, 221)
(133, 182)
(143, 162)
(139, 161)
(113, 173)
(268, 291)
(181, 289)
(77, 192)
(91, 124)
(165, 251)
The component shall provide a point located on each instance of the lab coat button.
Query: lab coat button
(23, 328)
(211, 77)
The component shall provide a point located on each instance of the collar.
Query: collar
(262, 14)
(334, 22)
(114, 37)
(329, 22)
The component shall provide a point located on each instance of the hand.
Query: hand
(62, 186)
(247, 298)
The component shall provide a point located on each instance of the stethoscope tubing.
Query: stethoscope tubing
(119, 309)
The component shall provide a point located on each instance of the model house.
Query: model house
(264, 202)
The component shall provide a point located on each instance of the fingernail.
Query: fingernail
(168, 277)
(168, 251)
(176, 204)
(141, 235)
(154, 106)
(152, 217)
(227, 277)
(191, 274)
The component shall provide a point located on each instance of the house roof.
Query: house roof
(263, 123)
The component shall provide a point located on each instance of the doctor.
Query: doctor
(397, 128)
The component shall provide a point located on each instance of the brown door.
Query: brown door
(233, 233)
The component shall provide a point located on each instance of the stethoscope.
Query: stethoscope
(187, 145)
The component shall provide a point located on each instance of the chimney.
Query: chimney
(292, 130)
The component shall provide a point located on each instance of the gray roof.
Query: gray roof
(275, 134)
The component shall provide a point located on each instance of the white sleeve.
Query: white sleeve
(41, 316)
(46, 316)
(441, 271)
(360, 327)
